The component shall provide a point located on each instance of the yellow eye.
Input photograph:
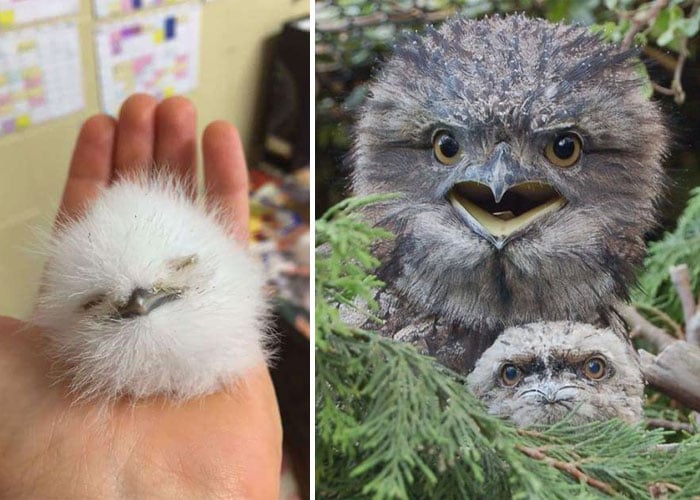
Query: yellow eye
(510, 374)
(594, 368)
(564, 151)
(446, 148)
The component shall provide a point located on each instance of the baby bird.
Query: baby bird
(146, 293)
(540, 373)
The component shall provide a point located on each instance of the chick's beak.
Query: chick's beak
(142, 301)
(551, 392)
(499, 201)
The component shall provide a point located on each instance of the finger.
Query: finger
(176, 139)
(135, 136)
(226, 174)
(91, 165)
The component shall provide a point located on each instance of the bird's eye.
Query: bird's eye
(594, 368)
(564, 151)
(510, 374)
(446, 148)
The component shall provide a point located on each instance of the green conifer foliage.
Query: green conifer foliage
(680, 246)
(391, 423)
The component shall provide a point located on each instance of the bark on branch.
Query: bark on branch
(675, 372)
(639, 326)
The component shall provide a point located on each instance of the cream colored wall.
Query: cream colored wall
(33, 163)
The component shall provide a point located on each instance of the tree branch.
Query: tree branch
(570, 469)
(676, 85)
(639, 326)
(680, 277)
(660, 423)
(641, 19)
(664, 60)
(677, 330)
(675, 372)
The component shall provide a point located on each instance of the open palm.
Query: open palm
(226, 445)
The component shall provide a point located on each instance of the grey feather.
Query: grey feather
(553, 383)
(505, 88)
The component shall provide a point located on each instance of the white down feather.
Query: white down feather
(140, 234)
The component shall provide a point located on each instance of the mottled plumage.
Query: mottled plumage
(557, 243)
(542, 372)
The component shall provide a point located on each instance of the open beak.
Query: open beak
(499, 200)
(501, 219)
(143, 301)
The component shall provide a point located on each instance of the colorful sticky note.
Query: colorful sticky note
(40, 83)
(23, 121)
(7, 18)
(169, 28)
(26, 46)
(17, 12)
(161, 56)
(8, 126)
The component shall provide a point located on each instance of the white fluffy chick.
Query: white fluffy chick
(541, 373)
(146, 293)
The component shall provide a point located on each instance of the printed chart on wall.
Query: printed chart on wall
(109, 7)
(14, 12)
(40, 75)
(157, 54)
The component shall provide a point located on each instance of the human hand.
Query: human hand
(224, 445)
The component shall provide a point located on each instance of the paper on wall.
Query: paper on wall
(157, 54)
(40, 75)
(15, 12)
(110, 7)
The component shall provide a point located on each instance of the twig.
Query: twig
(639, 20)
(531, 433)
(678, 73)
(640, 326)
(680, 277)
(675, 372)
(660, 423)
(660, 490)
(667, 447)
(664, 60)
(662, 90)
(570, 469)
(677, 329)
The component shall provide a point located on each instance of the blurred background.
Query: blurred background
(62, 61)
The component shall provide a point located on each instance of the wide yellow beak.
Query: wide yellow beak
(518, 208)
